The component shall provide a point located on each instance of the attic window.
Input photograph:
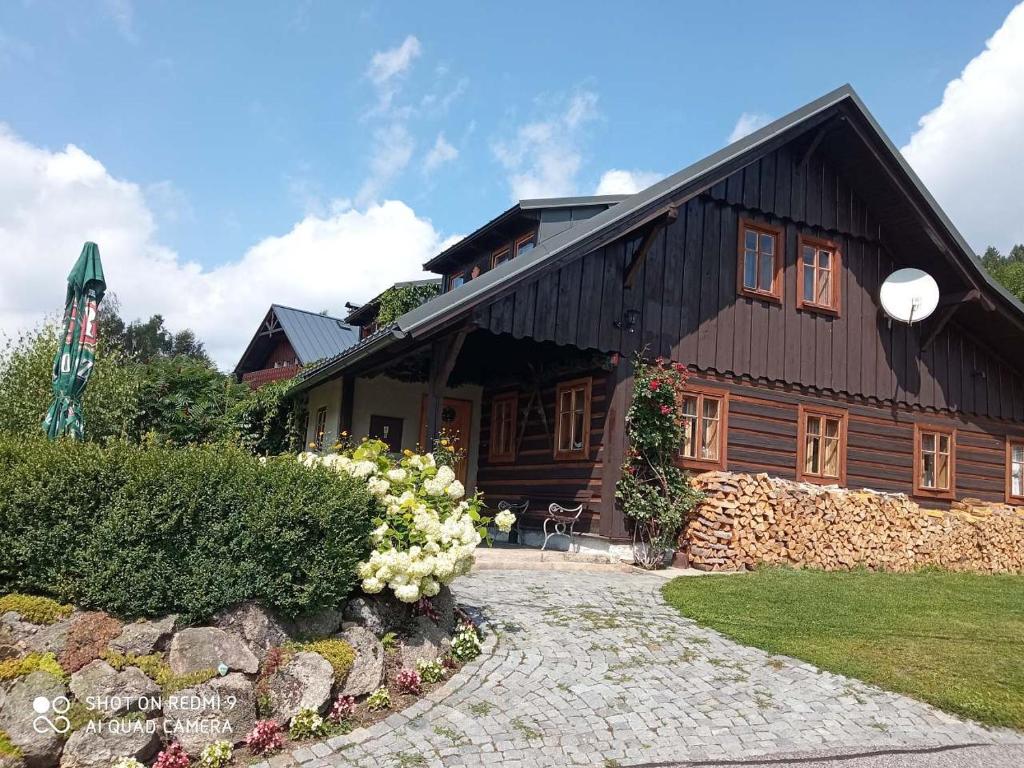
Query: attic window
(500, 256)
(526, 243)
(760, 260)
(454, 281)
(819, 273)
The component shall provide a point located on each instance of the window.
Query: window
(454, 281)
(934, 461)
(818, 275)
(821, 445)
(500, 256)
(526, 243)
(704, 429)
(503, 427)
(760, 262)
(1015, 471)
(572, 430)
(321, 427)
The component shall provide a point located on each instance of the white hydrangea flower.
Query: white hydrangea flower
(456, 490)
(397, 475)
(372, 585)
(378, 486)
(445, 474)
(363, 468)
(408, 593)
(505, 520)
(433, 487)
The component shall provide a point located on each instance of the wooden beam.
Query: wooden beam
(345, 412)
(656, 226)
(949, 305)
(443, 354)
(820, 134)
(612, 524)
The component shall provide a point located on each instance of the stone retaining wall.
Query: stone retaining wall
(748, 520)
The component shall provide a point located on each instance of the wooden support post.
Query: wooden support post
(949, 305)
(443, 354)
(653, 229)
(620, 385)
(345, 412)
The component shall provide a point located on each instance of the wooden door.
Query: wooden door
(456, 421)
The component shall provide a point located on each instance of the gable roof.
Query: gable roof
(648, 204)
(313, 336)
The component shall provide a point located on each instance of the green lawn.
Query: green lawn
(953, 640)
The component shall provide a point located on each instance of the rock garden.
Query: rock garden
(343, 618)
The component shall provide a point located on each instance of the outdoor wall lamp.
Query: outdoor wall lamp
(629, 320)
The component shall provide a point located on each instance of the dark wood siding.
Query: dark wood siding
(688, 309)
(535, 475)
(763, 433)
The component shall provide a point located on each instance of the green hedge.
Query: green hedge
(149, 531)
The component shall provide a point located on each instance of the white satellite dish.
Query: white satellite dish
(909, 295)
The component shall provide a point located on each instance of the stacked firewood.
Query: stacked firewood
(746, 520)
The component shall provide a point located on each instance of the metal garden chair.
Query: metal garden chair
(563, 522)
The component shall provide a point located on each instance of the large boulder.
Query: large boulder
(199, 648)
(305, 681)
(313, 626)
(141, 638)
(222, 709)
(100, 745)
(17, 714)
(367, 670)
(426, 640)
(113, 692)
(260, 629)
(378, 614)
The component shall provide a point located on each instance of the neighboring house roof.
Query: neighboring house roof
(313, 336)
(365, 313)
(644, 207)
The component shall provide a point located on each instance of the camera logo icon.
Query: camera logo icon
(43, 706)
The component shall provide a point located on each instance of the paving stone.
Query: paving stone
(587, 668)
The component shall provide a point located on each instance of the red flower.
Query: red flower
(666, 410)
(680, 367)
(654, 385)
(659, 360)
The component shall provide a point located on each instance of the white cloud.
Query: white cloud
(968, 150)
(748, 123)
(619, 182)
(122, 13)
(442, 152)
(393, 146)
(53, 201)
(386, 65)
(544, 157)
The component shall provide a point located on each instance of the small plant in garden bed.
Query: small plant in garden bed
(466, 643)
(379, 700)
(430, 671)
(344, 708)
(265, 738)
(33, 662)
(8, 748)
(157, 670)
(216, 755)
(389, 641)
(87, 639)
(339, 653)
(408, 681)
(128, 762)
(173, 756)
(306, 724)
(35, 610)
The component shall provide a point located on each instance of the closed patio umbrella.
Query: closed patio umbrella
(77, 353)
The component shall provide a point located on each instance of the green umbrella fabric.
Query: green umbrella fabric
(77, 353)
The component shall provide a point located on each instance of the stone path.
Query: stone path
(595, 669)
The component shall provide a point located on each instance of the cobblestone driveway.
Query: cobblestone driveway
(595, 669)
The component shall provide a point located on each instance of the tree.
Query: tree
(146, 340)
(1008, 270)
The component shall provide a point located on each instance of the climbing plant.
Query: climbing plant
(399, 299)
(654, 493)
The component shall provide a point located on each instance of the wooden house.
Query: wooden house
(759, 268)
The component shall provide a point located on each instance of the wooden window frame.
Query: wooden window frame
(708, 465)
(763, 228)
(504, 250)
(494, 454)
(1016, 499)
(803, 411)
(824, 244)
(320, 431)
(452, 276)
(580, 453)
(934, 493)
(532, 235)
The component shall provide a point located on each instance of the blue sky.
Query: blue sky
(235, 122)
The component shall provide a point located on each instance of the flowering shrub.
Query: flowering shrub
(172, 757)
(408, 681)
(264, 738)
(430, 671)
(343, 708)
(466, 643)
(216, 755)
(306, 724)
(379, 700)
(653, 491)
(505, 519)
(428, 531)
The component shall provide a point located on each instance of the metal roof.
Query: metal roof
(448, 305)
(314, 336)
